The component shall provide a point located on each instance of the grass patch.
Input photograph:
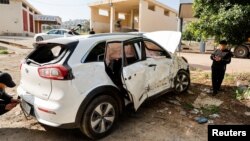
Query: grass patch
(4, 52)
(206, 75)
(242, 94)
(188, 106)
(243, 76)
(229, 77)
(212, 109)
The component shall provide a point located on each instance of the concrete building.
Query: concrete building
(18, 17)
(132, 15)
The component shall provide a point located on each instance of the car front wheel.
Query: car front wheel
(100, 117)
(39, 39)
(181, 81)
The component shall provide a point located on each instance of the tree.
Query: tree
(86, 25)
(222, 19)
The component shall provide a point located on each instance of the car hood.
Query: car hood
(169, 40)
(40, 34)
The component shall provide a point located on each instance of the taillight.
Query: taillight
(55, 72)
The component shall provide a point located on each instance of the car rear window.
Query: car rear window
(48, 53)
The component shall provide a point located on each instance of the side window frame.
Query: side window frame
(166, 53)
(137, 51)
(84, 59)
(51, 32)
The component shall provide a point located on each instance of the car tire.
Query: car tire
(39, 38)
(100, 117)
(181, 81)
(240, 52)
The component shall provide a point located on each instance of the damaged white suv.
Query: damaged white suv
(85, 82)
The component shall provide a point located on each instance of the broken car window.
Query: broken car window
(154, 51)
(113, 52)
(130, 53)
(47, 53)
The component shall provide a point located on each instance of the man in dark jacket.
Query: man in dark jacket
(221, 57)
(92, 31)
(6, 101)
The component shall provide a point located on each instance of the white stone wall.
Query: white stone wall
(11, 19)
(155, 20)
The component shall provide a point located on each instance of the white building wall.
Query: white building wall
(99, 23)
(155, 20)
(11, 19)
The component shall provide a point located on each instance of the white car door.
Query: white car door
(127, 70)
(159, 63)
(161, 77)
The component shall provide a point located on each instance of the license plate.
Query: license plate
(26, 107)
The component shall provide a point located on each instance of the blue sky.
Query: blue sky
(75, 9)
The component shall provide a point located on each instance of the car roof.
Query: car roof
(60, 29)
(95, 38)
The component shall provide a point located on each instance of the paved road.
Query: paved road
(26, 42)
(203, 62)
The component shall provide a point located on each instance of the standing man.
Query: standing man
(221, 57)
(6, 101)
(92, 31)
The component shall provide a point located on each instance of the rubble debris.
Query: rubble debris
(175, 102)
(194, 111)
(247, 113)
(206, 101)
(214, 116)
(201, 120)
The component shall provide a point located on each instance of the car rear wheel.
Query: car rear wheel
(241, 52)
(100, 117)
(39, 39)
(181, 81)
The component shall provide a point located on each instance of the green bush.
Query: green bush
(242, 94)
(4, 52)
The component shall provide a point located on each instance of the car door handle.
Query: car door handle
(152, 65)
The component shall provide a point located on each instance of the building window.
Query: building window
(24, 5)
(121, 16)
(166, 12)
(31, 11)
(151, 6)
(4, 1)
(103, 12)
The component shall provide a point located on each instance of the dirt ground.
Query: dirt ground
(166, 118)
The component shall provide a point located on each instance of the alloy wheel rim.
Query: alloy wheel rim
(242, 52)
(102, 117)
(181, 82)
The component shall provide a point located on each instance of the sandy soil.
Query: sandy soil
(166, 118)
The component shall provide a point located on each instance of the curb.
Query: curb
(15, 44)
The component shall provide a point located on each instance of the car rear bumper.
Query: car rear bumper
(51, 113)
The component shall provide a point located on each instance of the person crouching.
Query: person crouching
(7, 102)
